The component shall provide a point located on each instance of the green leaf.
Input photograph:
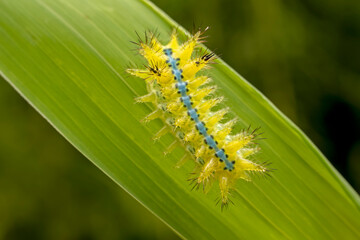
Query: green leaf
(68, 60)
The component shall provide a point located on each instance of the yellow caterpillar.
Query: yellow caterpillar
(183, 100)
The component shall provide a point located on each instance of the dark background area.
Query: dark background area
(303, 55)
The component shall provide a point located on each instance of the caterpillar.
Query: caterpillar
(184, 101)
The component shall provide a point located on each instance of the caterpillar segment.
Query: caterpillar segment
(184, 100)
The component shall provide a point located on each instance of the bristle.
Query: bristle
(171, 147)
(164, 130)
(150, 97)
(155, 114)
(182, 161)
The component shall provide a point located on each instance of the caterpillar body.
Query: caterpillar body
(184, 100)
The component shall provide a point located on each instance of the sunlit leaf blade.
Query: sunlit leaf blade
(68, 59)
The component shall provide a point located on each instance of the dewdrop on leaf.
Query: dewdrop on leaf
(183, 100)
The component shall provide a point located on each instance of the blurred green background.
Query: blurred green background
(303, 55)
